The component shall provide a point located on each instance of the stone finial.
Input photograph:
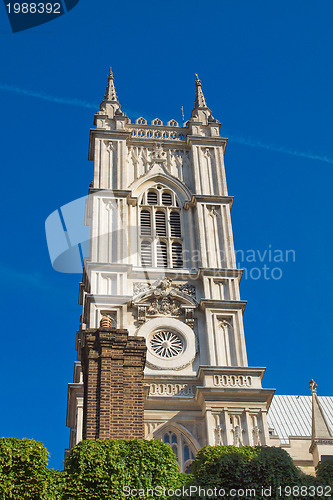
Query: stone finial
(313, 387)
(106, 322)
(199, 100)
(110, 93)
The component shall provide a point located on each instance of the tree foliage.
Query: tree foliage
(324, 471)
(102, 469)
(23, 473)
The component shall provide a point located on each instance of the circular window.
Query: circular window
(171, 343)
(166, 344)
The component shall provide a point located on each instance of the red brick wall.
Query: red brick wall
(113, 365)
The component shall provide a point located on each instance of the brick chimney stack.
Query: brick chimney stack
(113, 365)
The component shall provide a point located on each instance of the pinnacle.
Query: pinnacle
(110, 93)
(199, 101)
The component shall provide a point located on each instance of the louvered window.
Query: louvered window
(161, 229)
(146, 254)
(160, 223)
(166, 199)
(152, 198)
(145, 223)
(161, 254)
(175, 228)
(177, 255)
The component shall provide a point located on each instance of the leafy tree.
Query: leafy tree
(225, 467)
(324, 471)
(23, 473)
(273, 468)
(55, 484)
(103, 469)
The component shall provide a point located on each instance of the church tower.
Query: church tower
(162, 266)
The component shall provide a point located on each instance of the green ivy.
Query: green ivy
(324, 471)
(102, 469)
(23, 473)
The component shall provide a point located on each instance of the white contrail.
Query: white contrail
(48, 97)
(254, 143)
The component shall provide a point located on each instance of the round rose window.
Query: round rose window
(166, 344)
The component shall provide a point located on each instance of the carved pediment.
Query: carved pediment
(163, 298)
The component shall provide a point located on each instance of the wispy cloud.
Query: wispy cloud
(51, 98)
(23, 279)
(251, 142)
(254, 143)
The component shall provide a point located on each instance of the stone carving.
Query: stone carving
(173, 390)
(207, 152)
(218, 431)
(237, 431)
(189, 317)
(164, 306)
(256, 432)
(164, 284)
(155, 133)
(212, 210)
(140, 287)
(313, 387)
(110, 204)
(109, 146)
(162, 300)
(224, 323)
(142, 318)
(256, 436)
(158, 154)
(188, 289)
(232, 380)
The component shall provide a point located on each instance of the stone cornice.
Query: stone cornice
(223, 304)
(115, 193)
(220, 273)
(323, 441)
(209, 198)
(198, 140)
(231, 370)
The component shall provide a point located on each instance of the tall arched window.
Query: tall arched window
(181, 447)
(161, 229)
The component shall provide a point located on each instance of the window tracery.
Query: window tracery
(161, 229)
(181, 447)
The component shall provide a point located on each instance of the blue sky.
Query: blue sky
(266, 69)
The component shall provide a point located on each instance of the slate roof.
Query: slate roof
(291, 415)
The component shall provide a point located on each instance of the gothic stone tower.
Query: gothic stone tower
(162, 265)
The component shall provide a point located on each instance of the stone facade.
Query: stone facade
(162, 265)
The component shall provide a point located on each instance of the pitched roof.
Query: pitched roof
(292, 415)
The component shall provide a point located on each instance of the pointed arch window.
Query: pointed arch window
(181, 447)
(161, 229)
